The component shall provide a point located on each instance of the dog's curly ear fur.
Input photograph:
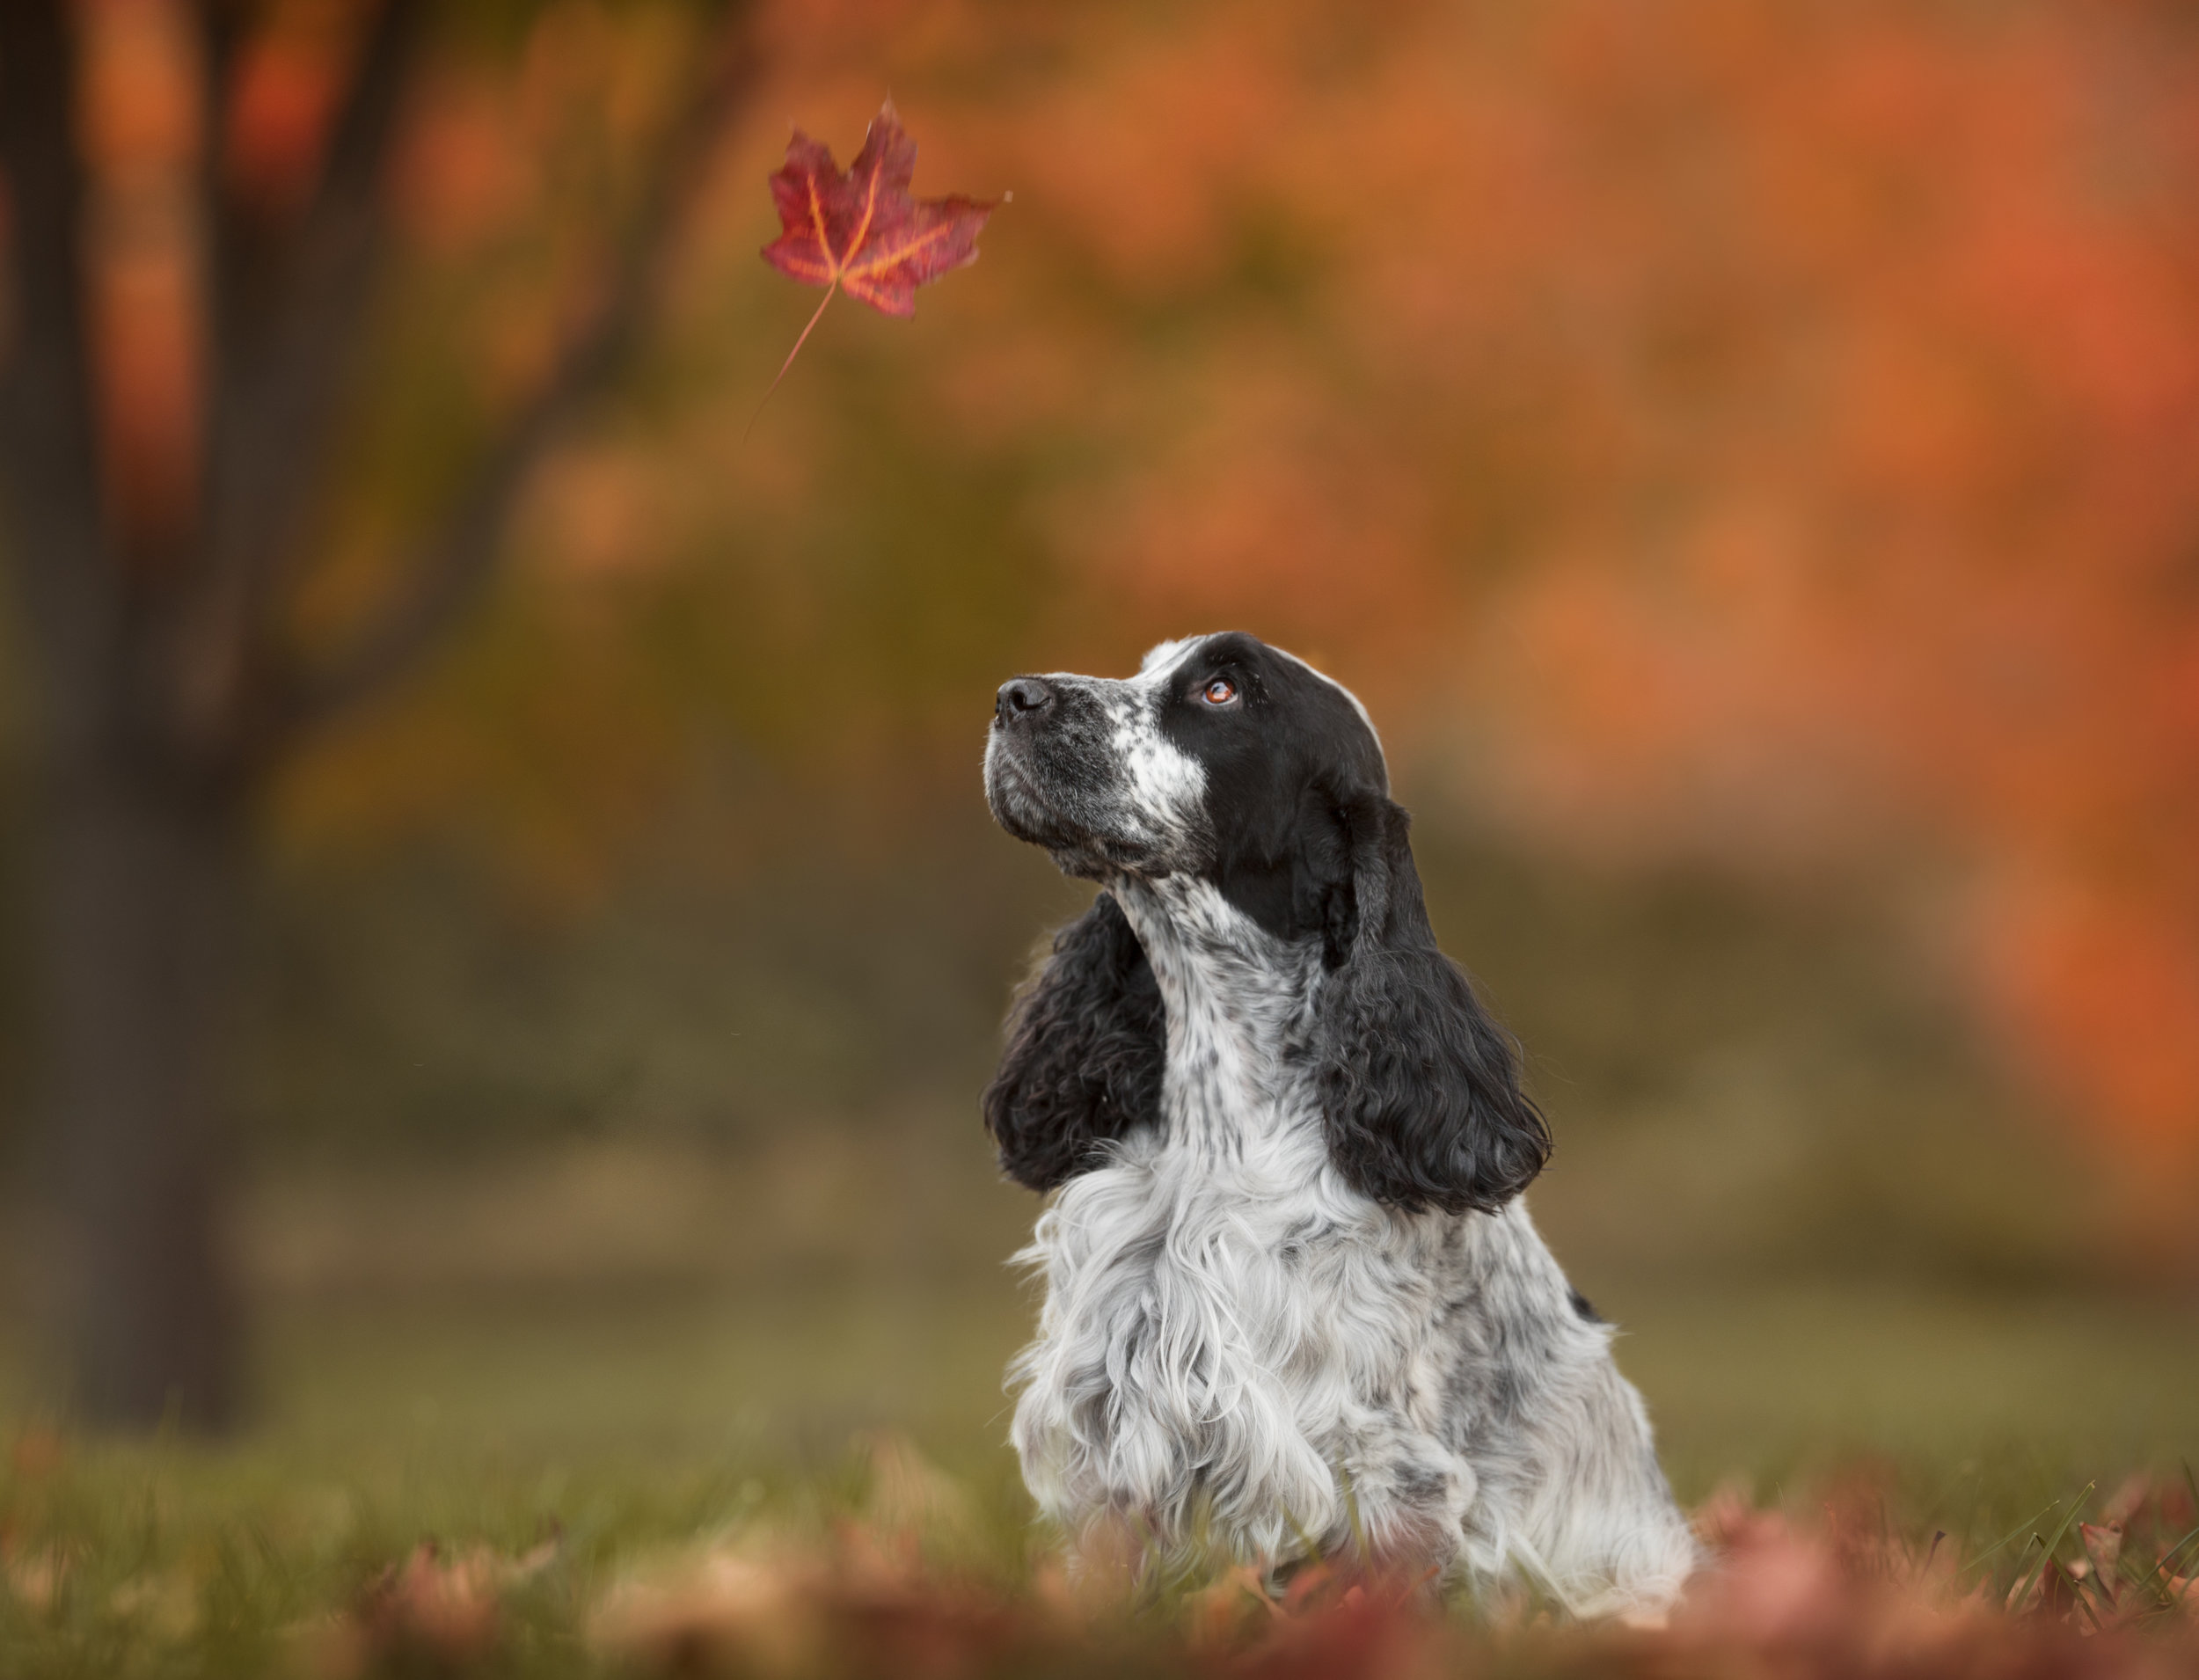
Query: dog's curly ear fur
(1419, 1086)
(1086, 1039)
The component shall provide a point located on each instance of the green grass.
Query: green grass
(645, 1356)
(2019, 1393)
(638, 1424)
(1760, 1382)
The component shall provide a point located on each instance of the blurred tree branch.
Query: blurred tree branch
(284, 310)
(456, 561)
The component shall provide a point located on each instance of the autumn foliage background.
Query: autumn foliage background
(1746, 456)
(1754, 436)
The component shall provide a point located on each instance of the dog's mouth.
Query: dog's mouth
(1015, 791)
(1017, 806)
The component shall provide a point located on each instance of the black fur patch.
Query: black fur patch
(1419, 1084)
(1086, 1043)
(1270, 759)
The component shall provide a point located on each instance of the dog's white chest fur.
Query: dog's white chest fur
(1234, 1342)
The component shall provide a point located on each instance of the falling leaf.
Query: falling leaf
(862, 231)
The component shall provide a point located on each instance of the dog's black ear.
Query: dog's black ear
(1419, 1086)
(1086, 1037)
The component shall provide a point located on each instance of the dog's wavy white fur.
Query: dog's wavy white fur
(1240, 1345)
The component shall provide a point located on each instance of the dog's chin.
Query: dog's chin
(1019, 807)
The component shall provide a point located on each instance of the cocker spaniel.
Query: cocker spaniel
(1294, 1302)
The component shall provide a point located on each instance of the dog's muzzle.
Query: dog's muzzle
(1015, 777)
(1055, 774)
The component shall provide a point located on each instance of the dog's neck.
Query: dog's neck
(1239, 1004)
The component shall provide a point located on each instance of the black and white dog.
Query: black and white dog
(1294, 1302)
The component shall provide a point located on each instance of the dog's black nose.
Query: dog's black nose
(1020, 698)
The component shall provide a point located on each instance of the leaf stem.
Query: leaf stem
(792, 353)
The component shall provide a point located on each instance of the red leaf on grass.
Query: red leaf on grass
(863, 232)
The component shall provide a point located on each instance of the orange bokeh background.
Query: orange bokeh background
(1762, 434)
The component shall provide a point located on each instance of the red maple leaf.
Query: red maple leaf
(863, 232)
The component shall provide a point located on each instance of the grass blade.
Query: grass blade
(2005, 1538)
(2077, 1592)
(2157, 1577)
(2022, 1590)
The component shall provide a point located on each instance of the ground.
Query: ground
(586, 1434)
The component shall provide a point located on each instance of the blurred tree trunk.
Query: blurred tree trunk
(140, 887)
(137, 867)
(166, 697)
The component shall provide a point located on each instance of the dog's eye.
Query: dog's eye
(1220, 692)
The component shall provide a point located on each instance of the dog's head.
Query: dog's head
(1235, 762)
(1204, 761)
